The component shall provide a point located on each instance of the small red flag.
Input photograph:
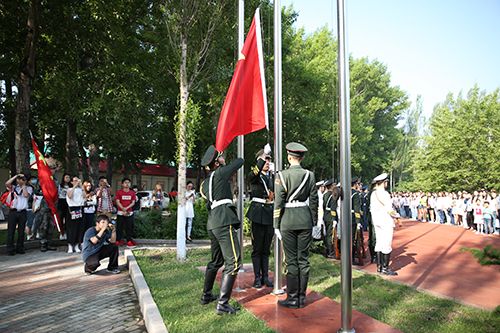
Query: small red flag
(47, 183)
(245, 108)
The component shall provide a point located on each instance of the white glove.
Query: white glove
(277, 233)
(267, 149)
(271, 166)
(320, 223)
(359, 226)
(334, 224)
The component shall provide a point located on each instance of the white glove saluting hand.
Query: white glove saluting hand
(267, 149)
(277, 233)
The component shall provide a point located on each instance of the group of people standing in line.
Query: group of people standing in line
(284, 205)
(78, 205)
(478, 211)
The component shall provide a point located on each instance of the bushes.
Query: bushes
(153, 225)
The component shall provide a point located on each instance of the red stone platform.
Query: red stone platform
(320, 315)
(428, 257)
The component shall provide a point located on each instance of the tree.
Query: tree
(460, 152)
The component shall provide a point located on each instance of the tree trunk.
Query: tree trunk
(9, 120)
(94, 164)
(22, 145)
(71, 159)
(181, 144)
(109, 171)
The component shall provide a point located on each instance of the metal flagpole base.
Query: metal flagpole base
(348, 331)
(278, 292)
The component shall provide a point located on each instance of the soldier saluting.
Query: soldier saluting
(294, 217)
(221, 225)
(260, 212)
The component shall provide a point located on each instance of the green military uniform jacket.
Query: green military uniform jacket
(356, 206)
(261, 185)
(224, 214)
(329, 206)
(303, 216)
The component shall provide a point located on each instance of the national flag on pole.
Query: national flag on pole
(245, 108)
(47, 183)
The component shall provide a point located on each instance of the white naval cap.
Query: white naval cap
(320, 183)
(380, 178)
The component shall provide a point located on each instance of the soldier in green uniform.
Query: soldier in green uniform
(221, 225)
(357, 233)
(329, 216)
(260, 213)
(294, 218)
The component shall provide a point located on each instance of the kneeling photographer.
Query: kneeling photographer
(98, 243)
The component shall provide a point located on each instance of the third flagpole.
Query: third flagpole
(278, 287)
(345, 171)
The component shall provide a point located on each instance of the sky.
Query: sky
(430, 47)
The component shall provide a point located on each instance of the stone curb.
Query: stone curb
(152, 317)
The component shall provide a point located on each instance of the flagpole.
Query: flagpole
(241, 140)
(345, 172)
(278, 286)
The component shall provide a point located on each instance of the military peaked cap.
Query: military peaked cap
(296, 149)
(210, 156)
(260, 153)
(355, 180)
(329, 182)
(380, 178)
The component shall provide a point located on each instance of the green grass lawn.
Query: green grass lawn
(177, 288)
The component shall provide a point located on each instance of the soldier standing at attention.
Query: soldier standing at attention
(293, 221)
(382, 215)
(221, 225)
(357, 241)
(260, 213)
(329, 215)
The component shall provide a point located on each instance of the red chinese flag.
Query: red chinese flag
(47, 183)
(245, 108)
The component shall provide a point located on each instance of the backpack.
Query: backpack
(6, 198)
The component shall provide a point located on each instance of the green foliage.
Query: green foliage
(461, 150)
(152, 224)
(176, 288)
(487, 256)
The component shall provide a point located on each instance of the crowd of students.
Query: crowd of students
(478, 211)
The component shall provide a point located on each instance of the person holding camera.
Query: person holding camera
(75, 199)
(104, 199)
(99, 243)
(19, 196)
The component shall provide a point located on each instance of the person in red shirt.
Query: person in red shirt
(125, 200)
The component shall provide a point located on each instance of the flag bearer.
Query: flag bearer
(222, 228)
(260, 212)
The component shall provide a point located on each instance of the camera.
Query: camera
(112, 225)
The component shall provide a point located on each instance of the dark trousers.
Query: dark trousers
(63, 212)
(328, 238)
(262, 236)
(110, 250)
(88, 222)
(225, 250)
(296, 245)
(124, 227)
(73, 230)
(16, 219)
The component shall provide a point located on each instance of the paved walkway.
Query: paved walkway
(428, 257)
(48, 292)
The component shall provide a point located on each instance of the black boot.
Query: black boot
(373, 255)
(265, 272)
(379, 261)
(385, 265)
(292, 290)
(257, 283)
(302, 290)
(207, 296)
(226, 288)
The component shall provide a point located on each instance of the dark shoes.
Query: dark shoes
(257, 283)
(223, 309)
(384, 267)
(268, 283)
(292, 303)
(113, 270)
(208, 298)
(292, 290)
